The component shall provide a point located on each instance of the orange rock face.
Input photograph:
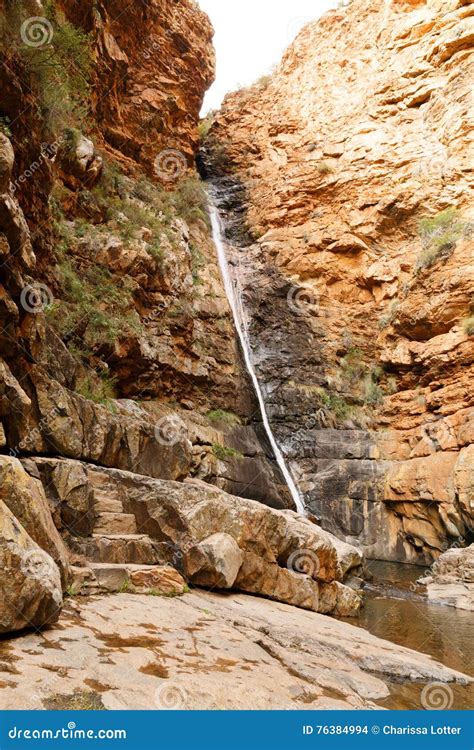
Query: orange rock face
(354, 164)
(156, 61)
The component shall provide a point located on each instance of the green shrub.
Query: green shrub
(334, 404)
(197, 262)
(439, 235)
(352, 365)
(100, 390)
(189, 199)
(222, 452)
(468, 326)
(205, 125)
(96, 309)
(219, 416)
(325, 167)
(60, 73)
(373, 394)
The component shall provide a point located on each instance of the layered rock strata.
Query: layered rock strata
(115, 521)
(451, 579)
(346, 183)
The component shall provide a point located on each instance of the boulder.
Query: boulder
(30, 580)
(216, 539)
(164, 581)
(451, 579)
(78, 159)
(25, 498)
(214, 562)
(65, 423)
(7, 157)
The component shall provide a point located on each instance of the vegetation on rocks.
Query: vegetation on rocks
(223, 452)
(439, 235)
(59, 71)
(468, 325)
(220, 416)
(96, 307)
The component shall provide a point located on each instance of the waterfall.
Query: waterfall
(235, 303)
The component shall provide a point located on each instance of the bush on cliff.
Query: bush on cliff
(440, 235)
(59, 71)
(468, 326)
(97, 308)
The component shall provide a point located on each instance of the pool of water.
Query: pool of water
(397, 610)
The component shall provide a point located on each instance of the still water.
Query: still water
(396, 609)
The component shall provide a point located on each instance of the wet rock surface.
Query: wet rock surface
(342, 181)
(208, 651)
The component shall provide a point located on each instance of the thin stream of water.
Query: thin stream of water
(217, 233)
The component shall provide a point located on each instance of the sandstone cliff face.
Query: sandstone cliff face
(119, 363)
(110, 285)
(156, 61)
(353, 166)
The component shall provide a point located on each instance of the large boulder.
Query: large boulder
(25, 498)
(451, 579)
(30, 581)
(65, 423)
(216, 539)
(214, 562)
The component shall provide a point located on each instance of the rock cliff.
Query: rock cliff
(346, 177)
(120, 372)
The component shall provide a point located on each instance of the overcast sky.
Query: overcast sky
(251, 36)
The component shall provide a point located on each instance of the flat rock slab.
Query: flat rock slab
(204, 651)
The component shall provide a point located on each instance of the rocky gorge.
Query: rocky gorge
(135, 455)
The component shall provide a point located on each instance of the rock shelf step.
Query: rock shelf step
(115, 523)
(103, 578)
(120, 549)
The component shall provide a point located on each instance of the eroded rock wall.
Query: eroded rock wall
(117, 345)
(110, 286)
(346, 178)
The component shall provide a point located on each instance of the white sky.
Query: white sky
(251, 36)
